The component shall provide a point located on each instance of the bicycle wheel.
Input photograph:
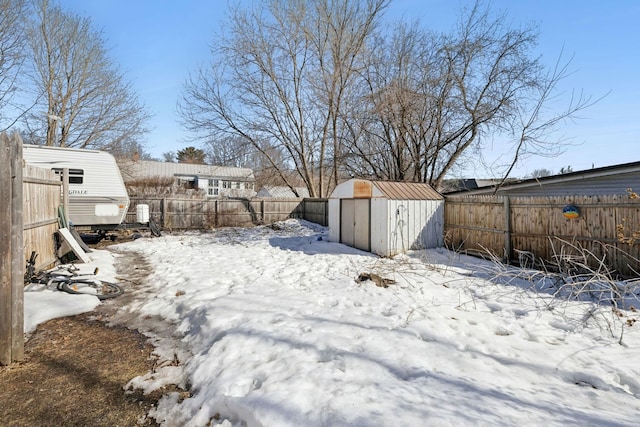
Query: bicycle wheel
(99, 288)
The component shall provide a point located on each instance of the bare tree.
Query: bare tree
(428, 100)
(87, 103)
(230, 151)
(531, 127)
(277, 81)
(11, 55)
(392, 122)
(339, 35)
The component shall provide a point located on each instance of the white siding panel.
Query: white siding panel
(414, 224)
(362, 226)
(379, 227)
(334, 220)
(398, 242)
(347, 221)
(430, 231)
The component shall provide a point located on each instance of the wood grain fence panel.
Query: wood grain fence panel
(42, 190)
(538, 225)
(200, 214)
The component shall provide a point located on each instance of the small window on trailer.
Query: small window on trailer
(76, 176)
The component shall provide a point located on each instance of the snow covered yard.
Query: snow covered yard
(274, 330)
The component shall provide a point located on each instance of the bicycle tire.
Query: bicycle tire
(99, 288)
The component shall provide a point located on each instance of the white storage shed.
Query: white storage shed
(386, 218)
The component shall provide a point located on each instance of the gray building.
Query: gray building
(598, 181)
(214, 181)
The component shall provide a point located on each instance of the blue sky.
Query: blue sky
(158, 42)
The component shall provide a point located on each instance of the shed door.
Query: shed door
(354, 223)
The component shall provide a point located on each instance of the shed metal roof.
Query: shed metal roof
(366, 189)
(407, 190)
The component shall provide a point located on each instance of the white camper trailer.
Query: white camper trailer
(97, 195)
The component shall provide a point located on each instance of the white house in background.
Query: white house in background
(282, 192)
(215, 181)
(386, 218)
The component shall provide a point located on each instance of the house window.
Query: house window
(237, 185)
(76, 176)
(214, 183)
(226, 184)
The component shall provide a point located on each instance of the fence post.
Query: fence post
(11, 251)
(162, 209)
(17, 249)
(5, 250)
(507, 228)
(215, 206)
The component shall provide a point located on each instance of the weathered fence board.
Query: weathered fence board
(42, 191)
(200, 214)
(504, 225)
(11, 290)
(316, 210)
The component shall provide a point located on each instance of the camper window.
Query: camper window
(75, 175)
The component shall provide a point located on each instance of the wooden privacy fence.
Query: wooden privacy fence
(507, 225)
(199, 214)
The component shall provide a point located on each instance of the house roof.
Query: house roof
(282, 192)
(578, 178)
(609, 179)
(361, 189)
(132, 170)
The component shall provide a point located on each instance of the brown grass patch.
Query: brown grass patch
(74, 372)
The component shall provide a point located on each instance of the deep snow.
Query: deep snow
(272, 329)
